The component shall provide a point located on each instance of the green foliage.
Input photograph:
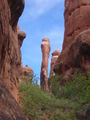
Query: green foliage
(61, 104)
(77, 91)
(38, 104)
(55, 85)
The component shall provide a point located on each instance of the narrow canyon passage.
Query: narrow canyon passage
(45, 60)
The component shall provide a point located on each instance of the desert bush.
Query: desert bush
(77, 91)
(38, 104)
(61, 104)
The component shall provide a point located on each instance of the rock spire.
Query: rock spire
(45, 47)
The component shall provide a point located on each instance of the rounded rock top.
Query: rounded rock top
(45, 41)
(56, 53)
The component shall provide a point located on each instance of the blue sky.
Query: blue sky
(41, 18)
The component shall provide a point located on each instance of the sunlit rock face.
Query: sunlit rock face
(45, 46)
(76, 45)
(10, 59)
(77, 19)
(55, 56)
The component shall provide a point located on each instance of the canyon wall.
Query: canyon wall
(45, 46)
(76, 45)
(10, 59)
(77, 19)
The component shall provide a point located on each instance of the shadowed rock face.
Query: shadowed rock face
(76, 45)
(21, 36)
(16, 7)
(10, 59)
(55, 56)
(44, 68)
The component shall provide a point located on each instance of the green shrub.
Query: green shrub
(54, 84)
(61, 104)
(38, 104)
(77, 91)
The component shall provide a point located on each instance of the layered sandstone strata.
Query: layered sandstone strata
(10, 59)
(76, 45)
(45, 46)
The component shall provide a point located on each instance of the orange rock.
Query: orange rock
(45, 46)
(10, 59)
(76, 45)
(27, 72)
(77, 19)
(21, 36)
(55, 56)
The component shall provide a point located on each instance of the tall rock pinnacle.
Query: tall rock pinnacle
(45, 46)
(55, 56)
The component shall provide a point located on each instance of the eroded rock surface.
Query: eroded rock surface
(9, 108)
(77, 19)
(45, 46)
(55, 56)
(76, 45)
(27, 73)
(21, 36)
(10, 59)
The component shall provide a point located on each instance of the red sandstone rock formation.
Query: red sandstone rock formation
(10, 56)
(44, 68)
(27, 72)
(76, 46)
(10, 59)
(21, 36)
(77, 19)
(55, 56)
